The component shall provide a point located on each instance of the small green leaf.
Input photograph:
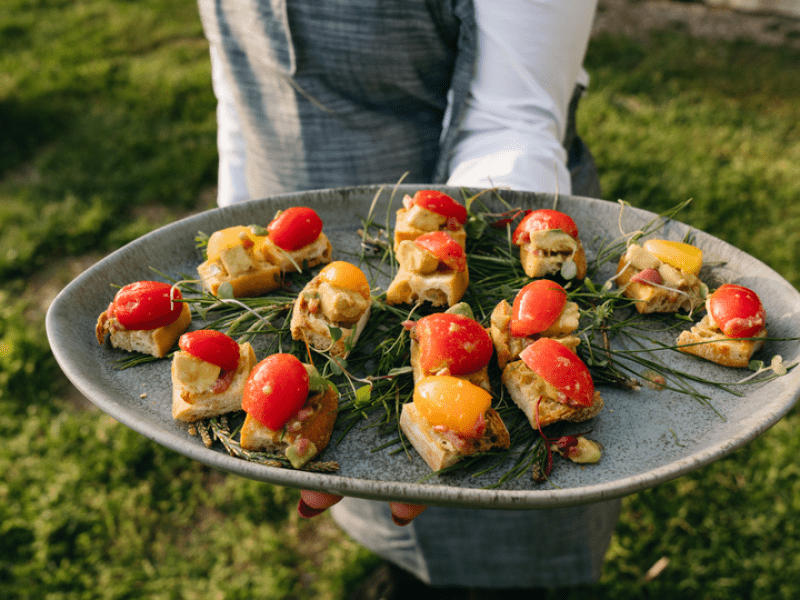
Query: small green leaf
(257, 230)
(336, 333)
(225, 291)
(755, 365)
(363, 395)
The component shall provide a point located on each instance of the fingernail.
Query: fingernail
(400, 521)
(307, 512)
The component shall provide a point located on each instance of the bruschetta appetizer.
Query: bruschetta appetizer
(540, 309)
(551, 383)
(661, 276)
(208, 375)
(547, 240)
(337, 297)
(732, 329)
(451, 418)
(295, 240)
(146, 317)
(433, 268)
(288, 410)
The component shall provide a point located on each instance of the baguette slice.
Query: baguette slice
(262, 278)
(707, 341)
(156, 342)
(301, 440)
(526, 387)
(190, 405)
(508, 347)
(440, 450)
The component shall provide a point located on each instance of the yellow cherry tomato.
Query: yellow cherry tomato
(680, 255)
(451, 402)
(345, 275)
(240, 235)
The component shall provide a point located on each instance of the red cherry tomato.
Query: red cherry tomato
(454, 342)
(441, 204)
(543, 219)
(295, 228)
(536, 307)
(737, 311)
(560, 367)
(211, 346)
(147, 305)
(275, 390)
(445, 248)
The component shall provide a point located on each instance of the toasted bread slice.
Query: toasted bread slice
(260, 278)
(548, 250)
(707, 341)
(678, 291)
(507, 347)
(420, 279)
(440, 450)
(190, 404)
(156, 342)
(526, 387)
(316, 310)
(303, 437)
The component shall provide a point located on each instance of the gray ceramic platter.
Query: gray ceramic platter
(648, 436)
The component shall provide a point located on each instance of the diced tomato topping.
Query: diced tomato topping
(536, 307)
(213, 347)
(737, 311)
(147, 305)
(453, 342)
(562, 368)
(295, 228)
(275, 390)
(441, 204)
(445, 248)
(453, 403)
(223, 382)
(541, 220)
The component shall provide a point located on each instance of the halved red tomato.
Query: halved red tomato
(562, 368)
(211, 346)
(454, 403)
(441, 204)
(295, 228)
(536, 307)
(737, 311)
(275, 390)
(147, 305)
(445, 248)
(541, 220)
(454, 342)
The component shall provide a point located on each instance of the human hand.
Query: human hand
(315, 503)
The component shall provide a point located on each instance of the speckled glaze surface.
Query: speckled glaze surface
(649, 437)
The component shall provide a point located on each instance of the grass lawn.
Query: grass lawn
(108, 130)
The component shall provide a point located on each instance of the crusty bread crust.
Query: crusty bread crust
(539, 261)
(404, 230)
(708, 342)
(479, 378)
(508, 347)
(190, 406)
(525, 388)
(313, 326)
(156, 342)
(316, 427)
(409, 286)
(318, 252)
(438, 450)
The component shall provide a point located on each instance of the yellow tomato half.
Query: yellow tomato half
(680, 255)
(233, 236)
(345, 275)
(451, 402)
